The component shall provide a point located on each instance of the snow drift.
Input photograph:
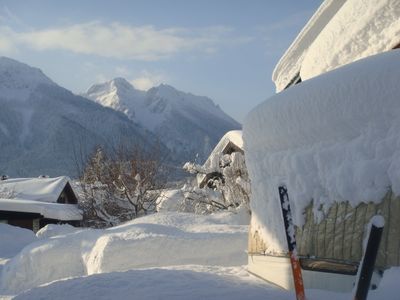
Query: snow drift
(145, 242)
(13, 239)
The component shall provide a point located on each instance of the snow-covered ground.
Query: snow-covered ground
(165, 255)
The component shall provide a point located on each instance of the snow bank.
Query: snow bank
(194, 282)
(359, 29)
(46, 260)
(51, 230)
(151, 241)
(172, 283)
(13, 239)
(149, 245)
(332, 138)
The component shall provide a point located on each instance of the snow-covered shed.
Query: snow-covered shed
(334, 142)
(35, 202)
(231, 142)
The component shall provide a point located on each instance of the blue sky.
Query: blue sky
(223, 49)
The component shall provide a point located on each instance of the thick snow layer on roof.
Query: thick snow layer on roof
(57, 211)
(35, 189)
(359, 29)
(332, 138)
(290, 63)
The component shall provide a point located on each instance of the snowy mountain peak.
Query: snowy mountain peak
(42, 125)
(117, 93)
(18, 80)
(186, 123)
(116, 85)
(120, 82)
(164, 91)
(177, 99)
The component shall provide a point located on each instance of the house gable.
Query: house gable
(67, 195)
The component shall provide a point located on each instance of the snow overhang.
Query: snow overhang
(358, 30)
(56, 211)
(340, 32)
(289, 65)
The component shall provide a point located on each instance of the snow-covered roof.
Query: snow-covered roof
(34, 189)
(37, 195)
(332, 138)
(289, 64)
(233, 137)
(339, 33)
(57, 211)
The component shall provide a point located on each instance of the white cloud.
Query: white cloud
(116, 40)
(147, 80)
(7, 44)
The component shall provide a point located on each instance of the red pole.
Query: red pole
(291, 241)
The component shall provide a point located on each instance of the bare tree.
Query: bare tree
(121, 186)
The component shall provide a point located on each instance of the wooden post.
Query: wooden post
(291, 242)
(368, 261)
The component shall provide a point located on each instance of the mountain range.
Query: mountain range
(46, 129)
(188, 125)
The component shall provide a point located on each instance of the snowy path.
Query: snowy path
(193, 282)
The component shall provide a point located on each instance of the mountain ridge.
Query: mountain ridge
(189, 125)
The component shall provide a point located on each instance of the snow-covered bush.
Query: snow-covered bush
(120, 187)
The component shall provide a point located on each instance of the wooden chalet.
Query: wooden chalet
(33, 203)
